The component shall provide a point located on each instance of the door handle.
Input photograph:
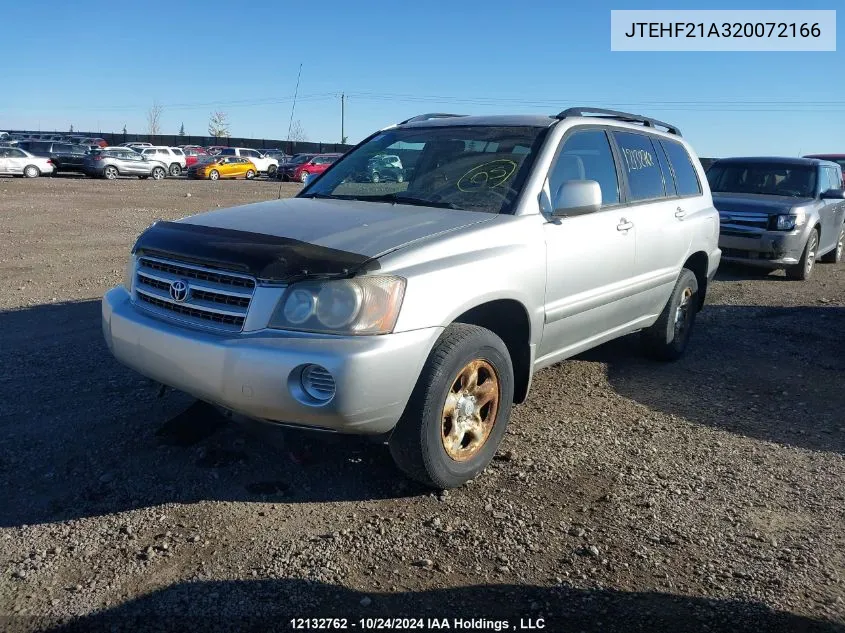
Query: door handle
(680, 213)
(624, 225)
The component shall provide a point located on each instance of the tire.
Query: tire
(419, 441)
(804, 268)
(158, 173)
(31, 171)
(400, 178)
(668, 337)
(176, 169)
(303, 176)
(271, 171)
(375, 177)
(214, 175)
(110, 172)
(835, 256)
(250, 174)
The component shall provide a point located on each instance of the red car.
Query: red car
(839, 159)
(192, 155)
(316, 165)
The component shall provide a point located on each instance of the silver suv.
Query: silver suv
(419, 310)
(112, 162)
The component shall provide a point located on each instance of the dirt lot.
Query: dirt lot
(628, 495)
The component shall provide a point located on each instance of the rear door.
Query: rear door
(658, 215)
(831, 211)
(589, 258)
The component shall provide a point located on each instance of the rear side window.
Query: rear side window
(228, 151)
(586, 155)
(60, 147)
(640, 163)
(686, 179)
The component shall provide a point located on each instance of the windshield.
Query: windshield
(794, 181)
(478, 168)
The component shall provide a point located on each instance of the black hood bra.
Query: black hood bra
(265, 257)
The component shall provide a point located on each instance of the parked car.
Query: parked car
(135, 144)
(215, 149)
(64, 156)
(779, 212)
(114, 162)
(19, 162)
(287, 169)
(384, 167)
(839, 159)
(334, 308)
(93, 141)
(173, 157)
(278, 154)
(217, 167)
(265, 164)
(315, 166)
(193, 154)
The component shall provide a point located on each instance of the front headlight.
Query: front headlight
(129, 274)
(362, 305)
(786, 222)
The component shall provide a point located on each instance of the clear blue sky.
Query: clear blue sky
(100, 65)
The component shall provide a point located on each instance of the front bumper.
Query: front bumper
(766, 249)
(249, 373)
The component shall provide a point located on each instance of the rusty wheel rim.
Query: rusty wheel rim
(470, 410)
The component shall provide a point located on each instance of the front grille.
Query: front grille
(212, 298)
(745, 220)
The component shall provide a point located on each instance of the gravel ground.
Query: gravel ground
(627, 496)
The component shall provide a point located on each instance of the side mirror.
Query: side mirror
(577, 197)
(833, 194)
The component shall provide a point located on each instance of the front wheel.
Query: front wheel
(303, 176)
(835, 256)
(668, 337)
(176, 169)
(271, 171)
(110, 172)
(375, 177)
(804, 268)
(250, 174)
(159, 173)
(31, 171)
(458, 412)
(214, 175)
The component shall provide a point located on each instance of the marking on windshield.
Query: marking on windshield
(487, 175)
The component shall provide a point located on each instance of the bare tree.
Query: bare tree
(154, 119)
(297, 133)
(218, 125)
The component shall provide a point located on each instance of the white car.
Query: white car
(263, 163)
(19, 162)
(173, 157)
(134, 144)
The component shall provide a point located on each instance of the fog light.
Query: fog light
(317, 382)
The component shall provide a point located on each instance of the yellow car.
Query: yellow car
(223, 167)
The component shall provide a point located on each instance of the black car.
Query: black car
(286, 169)
(65, 156)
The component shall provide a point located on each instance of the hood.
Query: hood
(284, 240)
(757, 203)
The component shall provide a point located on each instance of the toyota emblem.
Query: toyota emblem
(179, 290)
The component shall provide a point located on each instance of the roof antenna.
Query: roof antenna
(290, 124)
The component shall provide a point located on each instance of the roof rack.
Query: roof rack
(621, 116)
(431, 115)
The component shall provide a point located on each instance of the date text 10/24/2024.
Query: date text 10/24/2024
(418, 624)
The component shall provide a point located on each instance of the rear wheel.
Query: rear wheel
(400, 178)
(458, 412)
(214, 175)
(31, 171)
(159, 173)
(110, 172)
(804, 268)
(271, 171)
(375, 177)
(176, 169)
(303, 176)
(250, 174)
(835, 256)
(667, 338)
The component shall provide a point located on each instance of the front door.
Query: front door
(589, 258)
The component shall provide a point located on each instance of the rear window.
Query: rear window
(640, 163)
(686, 179)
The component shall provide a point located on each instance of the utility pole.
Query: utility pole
(342, 118)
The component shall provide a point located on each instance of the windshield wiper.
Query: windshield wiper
(410, 200)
